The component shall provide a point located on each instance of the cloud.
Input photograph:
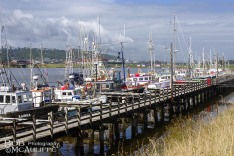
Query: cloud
(55, 22)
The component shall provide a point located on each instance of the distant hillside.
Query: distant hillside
(48, 54)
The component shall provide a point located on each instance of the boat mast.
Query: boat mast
(223, 62)
(174, 42)
(151, 48)
(190, 59)
(96, 51)
(45, 74)
(210, 60)
(217, 66)
(5, 78)
(31, 66)
(121, 51)
(203, 60)
(68, 62)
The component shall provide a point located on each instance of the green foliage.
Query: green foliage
(52, 54)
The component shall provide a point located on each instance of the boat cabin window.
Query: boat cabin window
(141, 78)
(129, 79)
(69, 93)
(19, 99)
(98, 86)
(149, 78)
(146, 78)
(13, 99)
(8, 99)
(108, 86)
(63, 93)
(77, 92)
(1, 99)
(27, 98)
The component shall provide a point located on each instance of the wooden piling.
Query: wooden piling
(117, 132)
(51, 123)
(134, 126)
(78, 116)
(66, 120)
(111, 135)
(34, 128)
(155, 116)
(101, 111)
(119, 105)
(145, 120)
(91, 141)
(123, 129)
(110, 109)
(14, 131)
(91, 112)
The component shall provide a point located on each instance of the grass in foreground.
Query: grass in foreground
(195, 138)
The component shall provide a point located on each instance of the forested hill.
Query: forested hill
(52, 54)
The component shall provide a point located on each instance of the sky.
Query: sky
(203, 25)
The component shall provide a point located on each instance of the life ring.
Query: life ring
(89, 85)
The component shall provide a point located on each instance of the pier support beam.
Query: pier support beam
(79, 144)
(111, 135)
(155, 116)
(162, 113)
(177, 108)
(196, 98)
(101, 139)
(134, 126)
(117, 132)
(188, 103)
(193, 100)
(170, 110)
(91, 141)
(123, 128)
(145, 120)
(203, 97)
(184, 105)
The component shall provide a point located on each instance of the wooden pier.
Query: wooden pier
(73, 119)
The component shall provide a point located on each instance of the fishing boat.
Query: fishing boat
(17, 101)
(162, 83)
(137, 82)
(70, 90)
(12, 99)
(41, 91)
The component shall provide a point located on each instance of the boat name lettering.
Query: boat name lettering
(24, 115)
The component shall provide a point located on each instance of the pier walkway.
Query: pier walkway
(71, 116)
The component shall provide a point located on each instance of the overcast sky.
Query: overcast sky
(54, 23)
